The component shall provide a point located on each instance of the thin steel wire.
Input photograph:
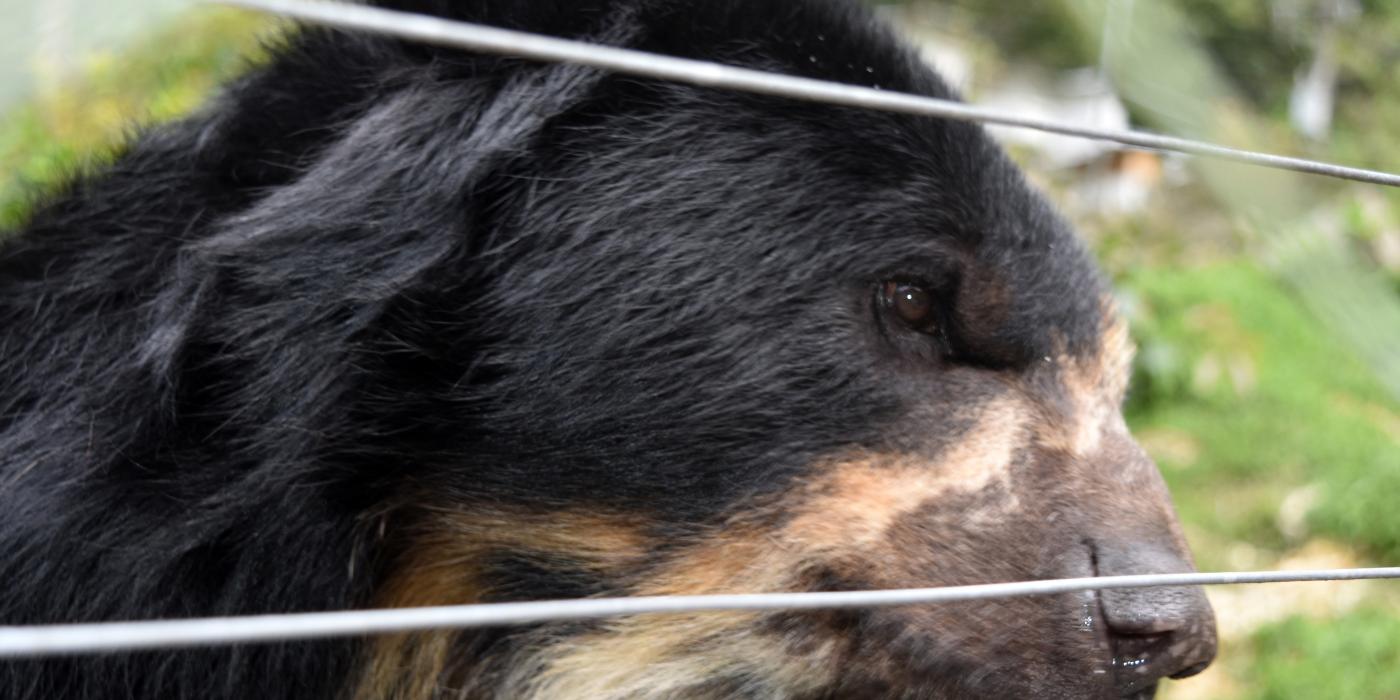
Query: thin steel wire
(434, 30)
(52, 640)
(49, 640)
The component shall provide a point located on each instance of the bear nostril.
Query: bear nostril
(1157, 633)
(1151, 611)
(1154, 632)
(1140, 660)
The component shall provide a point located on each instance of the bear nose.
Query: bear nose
(1154, 633)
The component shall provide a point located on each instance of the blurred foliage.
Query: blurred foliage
(1242, 400)
(1354, 656)
(1259, 52)
(82, 124)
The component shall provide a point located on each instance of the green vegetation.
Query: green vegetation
(1245, 399)
(1353, 656)
(83, 124)
(1274, 436)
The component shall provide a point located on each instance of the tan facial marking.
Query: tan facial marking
(670, 656)
(857, 501)
(842, 516)
(441, 569)
(1094, 386)
(844, 513)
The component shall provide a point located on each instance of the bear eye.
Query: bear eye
(910, 303)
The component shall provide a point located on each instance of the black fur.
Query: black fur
(233, 363)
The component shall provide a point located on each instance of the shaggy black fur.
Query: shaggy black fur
(371, 270)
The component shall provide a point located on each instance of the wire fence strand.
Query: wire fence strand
(474, 37)
(53, 640)
(108, 637)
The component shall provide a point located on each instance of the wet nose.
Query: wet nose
(1155, 633)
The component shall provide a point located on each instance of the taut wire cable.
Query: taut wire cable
(108, 637)
(50, 640)
(475, 37)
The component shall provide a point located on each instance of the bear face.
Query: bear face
(393, 325)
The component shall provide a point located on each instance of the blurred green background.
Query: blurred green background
(1266, 380)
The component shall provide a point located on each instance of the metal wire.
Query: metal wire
(434, 30)
(125, 636)
(50, 640)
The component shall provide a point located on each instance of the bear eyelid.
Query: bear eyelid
(914, 317)
(912, 304)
